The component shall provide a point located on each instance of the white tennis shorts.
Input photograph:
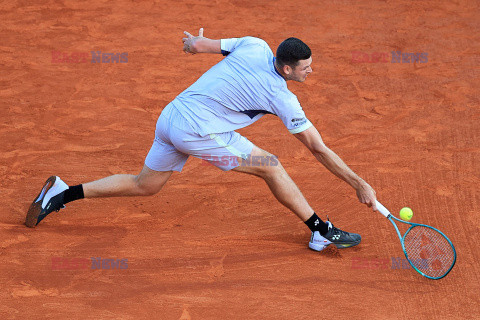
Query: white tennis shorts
(175, 140)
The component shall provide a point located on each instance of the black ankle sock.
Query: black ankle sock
(73, 193)
(316, 224)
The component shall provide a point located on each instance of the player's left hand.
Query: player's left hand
(367, 195)
(189, 41)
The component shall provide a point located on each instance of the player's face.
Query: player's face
(301, 70)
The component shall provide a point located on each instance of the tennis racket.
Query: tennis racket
(427, 249)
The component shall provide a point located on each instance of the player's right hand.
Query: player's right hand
(189, 42)
(367, 195)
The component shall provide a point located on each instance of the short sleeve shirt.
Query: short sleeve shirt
(239, 90)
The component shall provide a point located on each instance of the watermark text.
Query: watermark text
(373, 263)
(63, 263)
(92, 57)
(392, 57)
(245, 161)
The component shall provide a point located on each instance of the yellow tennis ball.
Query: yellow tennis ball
(406, 214)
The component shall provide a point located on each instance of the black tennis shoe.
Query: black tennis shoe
(341, 239)
(50, 199)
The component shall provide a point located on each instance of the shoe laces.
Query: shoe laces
(336, 230)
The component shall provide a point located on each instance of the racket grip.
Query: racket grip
(382, 209)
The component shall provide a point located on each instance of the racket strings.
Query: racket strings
(429, 251)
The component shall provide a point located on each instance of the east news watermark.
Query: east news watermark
(389, 57)
(246, 160)
(395, 263)
(89, 57)
(94, 263)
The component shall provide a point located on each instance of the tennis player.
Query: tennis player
(201, 121)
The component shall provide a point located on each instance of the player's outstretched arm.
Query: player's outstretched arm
(313, 141)
(200, 44)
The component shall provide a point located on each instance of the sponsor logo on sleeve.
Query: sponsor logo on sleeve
(297, 122)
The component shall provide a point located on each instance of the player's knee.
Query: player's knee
(149, 191)
(262, 164)
(146, 189)
(271, 169)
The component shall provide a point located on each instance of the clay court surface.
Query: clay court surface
(215, 245)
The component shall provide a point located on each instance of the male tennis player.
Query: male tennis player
(201, 121)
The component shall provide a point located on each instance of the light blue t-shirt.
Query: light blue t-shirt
(239, 90)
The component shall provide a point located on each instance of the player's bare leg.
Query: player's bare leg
(56, 193)
(288, 194)
(147, 182)
(280, 183)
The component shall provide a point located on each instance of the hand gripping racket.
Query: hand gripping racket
(427, 249)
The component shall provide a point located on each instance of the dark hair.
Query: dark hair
(291, 50)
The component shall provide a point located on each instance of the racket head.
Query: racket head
(428, 250)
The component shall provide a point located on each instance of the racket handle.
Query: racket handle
(382, 209)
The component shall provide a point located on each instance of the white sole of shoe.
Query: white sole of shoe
(317, 247)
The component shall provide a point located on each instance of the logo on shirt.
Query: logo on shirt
(299, 121)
